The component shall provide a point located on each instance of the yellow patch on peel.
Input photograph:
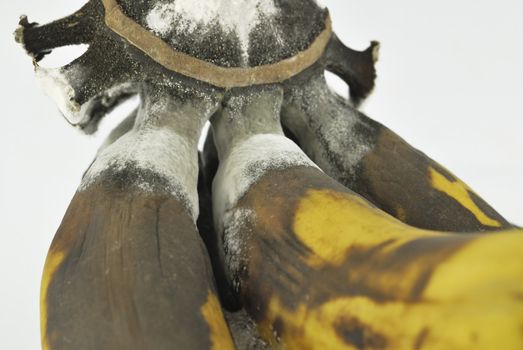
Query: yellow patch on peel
(359, 322)
(472, 300)
(212, 312)
(401, 214)
(487, 267)
(329, 223)
(301, 329)
(461, 193)
(52, 263)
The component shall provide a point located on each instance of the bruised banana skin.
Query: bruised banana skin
(376, 163)
(127, 268)
(318, 267)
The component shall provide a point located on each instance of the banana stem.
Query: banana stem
(78, 28)
(247, 112)
(356, 68)
(164, 139)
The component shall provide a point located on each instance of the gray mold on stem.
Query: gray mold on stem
(245, 113)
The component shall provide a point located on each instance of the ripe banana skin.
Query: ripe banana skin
(376, 163)
(319, 267)
(127, 268)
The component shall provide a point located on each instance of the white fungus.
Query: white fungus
(314, 112)
(247, 163)
(157, 149)
(56, 84)
(237, 16)
(235, 238)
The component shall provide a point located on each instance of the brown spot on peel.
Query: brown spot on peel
(421, 338)
(361, 336)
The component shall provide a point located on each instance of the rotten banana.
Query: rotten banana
(319, 267)
(376, 163)
(127, 268)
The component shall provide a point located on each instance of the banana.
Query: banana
(319, 267)
(376, 163)
(127, 268)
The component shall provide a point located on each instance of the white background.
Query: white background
(449, 82)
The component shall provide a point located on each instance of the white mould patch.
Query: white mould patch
(320, 4)
(247, 163)
(154, 149)
(244, 331)
(56, 84)
(235, 238)
(238, 16)
(317, 112)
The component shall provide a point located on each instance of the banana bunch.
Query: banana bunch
(344, 239)
(319, 267)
